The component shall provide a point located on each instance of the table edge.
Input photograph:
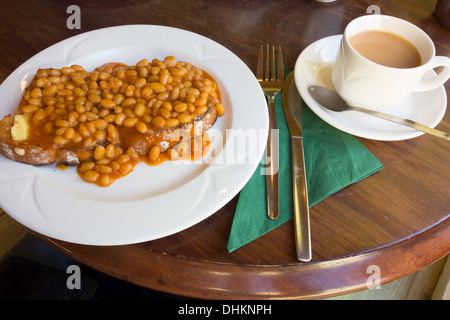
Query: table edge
(314, 279)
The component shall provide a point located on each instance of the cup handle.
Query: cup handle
(440, 79)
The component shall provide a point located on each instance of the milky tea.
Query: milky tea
(387, 49)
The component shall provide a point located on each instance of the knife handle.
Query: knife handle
(300, 201)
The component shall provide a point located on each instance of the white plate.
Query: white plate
(313, 67)
(151, 202)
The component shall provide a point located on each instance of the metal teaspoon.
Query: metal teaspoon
(332, 101)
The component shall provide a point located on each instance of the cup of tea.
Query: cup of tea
(382, 59)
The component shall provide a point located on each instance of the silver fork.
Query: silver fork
(271, 85)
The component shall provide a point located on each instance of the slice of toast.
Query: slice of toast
(13, 146)
(66, 114)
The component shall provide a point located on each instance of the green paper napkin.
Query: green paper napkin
(333, 160)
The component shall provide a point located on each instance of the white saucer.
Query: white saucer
(313, 67)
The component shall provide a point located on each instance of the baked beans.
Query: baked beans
(79, 110)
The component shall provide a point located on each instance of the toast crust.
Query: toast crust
(22, 151)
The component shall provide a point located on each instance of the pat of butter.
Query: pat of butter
(21, 128)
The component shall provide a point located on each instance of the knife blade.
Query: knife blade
(292, 109)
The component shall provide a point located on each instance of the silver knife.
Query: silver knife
(292, 109)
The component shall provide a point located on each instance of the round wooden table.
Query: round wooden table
(384, 227)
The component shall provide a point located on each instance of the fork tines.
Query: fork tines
(265, 70)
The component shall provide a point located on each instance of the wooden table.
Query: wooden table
(396, 220)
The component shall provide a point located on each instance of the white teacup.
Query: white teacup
(364, 83)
